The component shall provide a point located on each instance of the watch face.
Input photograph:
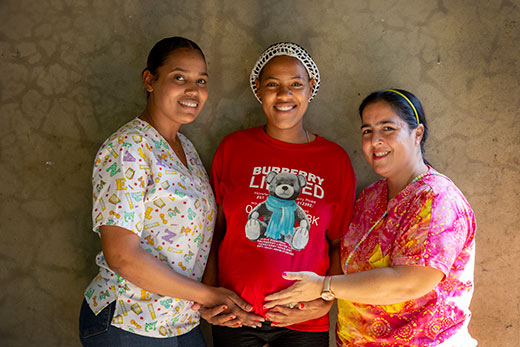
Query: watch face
(327, 296)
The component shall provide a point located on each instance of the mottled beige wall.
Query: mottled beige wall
(70, 75)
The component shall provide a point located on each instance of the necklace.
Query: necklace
(306, 134)
(421, 176)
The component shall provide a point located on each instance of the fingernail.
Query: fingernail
(232, 317)
(224, 307)
(284, 274)
(302, 306)
(276, 309)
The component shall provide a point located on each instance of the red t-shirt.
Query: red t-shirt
(269, 231)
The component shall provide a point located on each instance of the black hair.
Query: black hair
(162, 50)
(402, 107)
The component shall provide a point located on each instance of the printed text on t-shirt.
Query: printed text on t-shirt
(313, 186)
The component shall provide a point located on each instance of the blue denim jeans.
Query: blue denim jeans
(97, 331)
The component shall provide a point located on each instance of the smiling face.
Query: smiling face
(178, 91)
(284, 89)
(390, 146)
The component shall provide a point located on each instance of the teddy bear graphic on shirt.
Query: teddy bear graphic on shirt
(275, 217)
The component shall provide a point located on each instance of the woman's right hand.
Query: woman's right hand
(228, 309)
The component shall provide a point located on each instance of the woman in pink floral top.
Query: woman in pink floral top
(408, 256)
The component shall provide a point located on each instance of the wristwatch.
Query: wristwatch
(326, 293)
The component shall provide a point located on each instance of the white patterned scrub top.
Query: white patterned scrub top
(139, 184)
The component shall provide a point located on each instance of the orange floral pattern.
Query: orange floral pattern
(429, 223)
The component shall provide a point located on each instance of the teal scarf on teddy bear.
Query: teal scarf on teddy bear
(282, 220)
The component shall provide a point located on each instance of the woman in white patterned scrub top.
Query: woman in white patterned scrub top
(154, 210)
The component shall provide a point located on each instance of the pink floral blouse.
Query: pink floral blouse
(429, 223)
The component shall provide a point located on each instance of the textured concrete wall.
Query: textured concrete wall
(70, 75)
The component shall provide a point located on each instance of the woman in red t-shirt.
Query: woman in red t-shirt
(285, 198)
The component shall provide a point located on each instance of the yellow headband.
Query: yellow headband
(414, 110)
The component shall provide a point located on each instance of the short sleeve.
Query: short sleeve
(120, 177)
(434, 236)
(344, 207)
(216, 173)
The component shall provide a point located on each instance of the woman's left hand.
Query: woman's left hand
(231, 318)
(282, 316)
(308, 287)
